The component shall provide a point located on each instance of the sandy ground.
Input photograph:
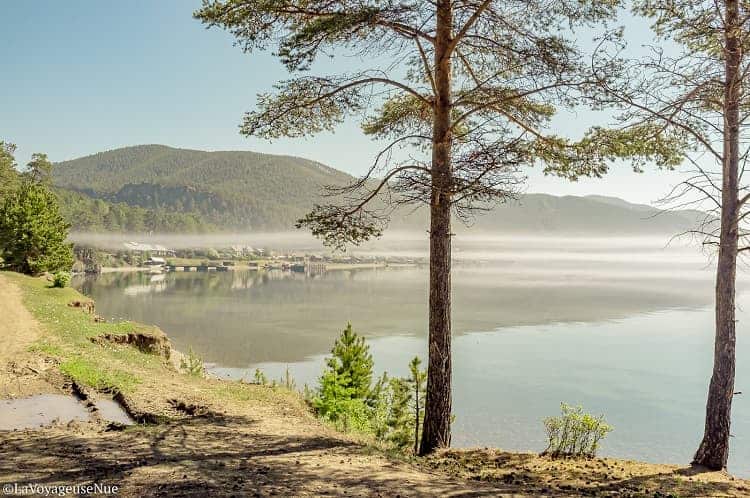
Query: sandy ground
(218, 438)
(21, 372)
(18, 329)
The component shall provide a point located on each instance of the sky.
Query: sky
(83, 76)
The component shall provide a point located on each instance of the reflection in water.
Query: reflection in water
(242, 317)
(622, 327)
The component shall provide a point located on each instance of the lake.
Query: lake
(623, 326)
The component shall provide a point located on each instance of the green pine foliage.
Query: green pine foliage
(418, 384)
(390, 409)
(39, 169)
(192, 364)
(8, 173)
(352, 362)
(33, 232)
(406, 407)
(345, 386)
(400, 420)
(87, 214)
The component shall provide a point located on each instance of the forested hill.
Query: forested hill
(176, 190)
(226, 189)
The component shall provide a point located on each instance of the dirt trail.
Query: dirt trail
(21, 373)
(18, 329)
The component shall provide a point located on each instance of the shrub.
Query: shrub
(192, 364)
(354, 415)
(575, 433)
(61, 279)
(259, 377)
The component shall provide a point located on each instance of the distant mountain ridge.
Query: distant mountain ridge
(263, 192)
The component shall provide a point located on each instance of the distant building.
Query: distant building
(155, 261)
(152, 249)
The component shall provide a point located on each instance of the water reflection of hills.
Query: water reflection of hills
(240, 317)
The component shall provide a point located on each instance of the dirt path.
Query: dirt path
(21, 373)
(18, 329)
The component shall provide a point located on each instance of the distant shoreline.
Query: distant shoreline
(329, 267)
(123, 269)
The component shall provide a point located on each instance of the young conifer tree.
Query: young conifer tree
(347, 377)
(417, 379)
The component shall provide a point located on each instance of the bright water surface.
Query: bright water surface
(622, 326)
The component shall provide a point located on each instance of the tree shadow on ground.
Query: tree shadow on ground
(215, 456)
(544, 476)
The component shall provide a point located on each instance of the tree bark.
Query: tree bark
(436, 432)
(713, 451)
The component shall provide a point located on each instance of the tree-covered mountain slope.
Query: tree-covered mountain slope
(229, 189)
(248, 190)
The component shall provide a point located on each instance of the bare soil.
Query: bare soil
(22, 373)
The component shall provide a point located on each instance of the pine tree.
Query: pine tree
(32, 231)
(400, 417)
(39, 169)
(696, 93)
(8, 173)
(352, 359)
(347, 377)
(406, 407)
(417, 383)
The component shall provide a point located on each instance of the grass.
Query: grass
(147, 379)
(46, 348)
(93, 375)
(70, 330)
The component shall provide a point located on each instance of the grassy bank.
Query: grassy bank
(71, 338)
(208, 436)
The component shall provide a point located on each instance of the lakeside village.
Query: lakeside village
(157, 258)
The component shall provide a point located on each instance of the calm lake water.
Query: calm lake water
(622, 326)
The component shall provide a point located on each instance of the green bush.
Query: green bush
(61, 280)
(575, 433)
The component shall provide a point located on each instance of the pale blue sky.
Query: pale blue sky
(82, 76)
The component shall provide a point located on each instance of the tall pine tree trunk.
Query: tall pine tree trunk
(713, 451)
(437, 431)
